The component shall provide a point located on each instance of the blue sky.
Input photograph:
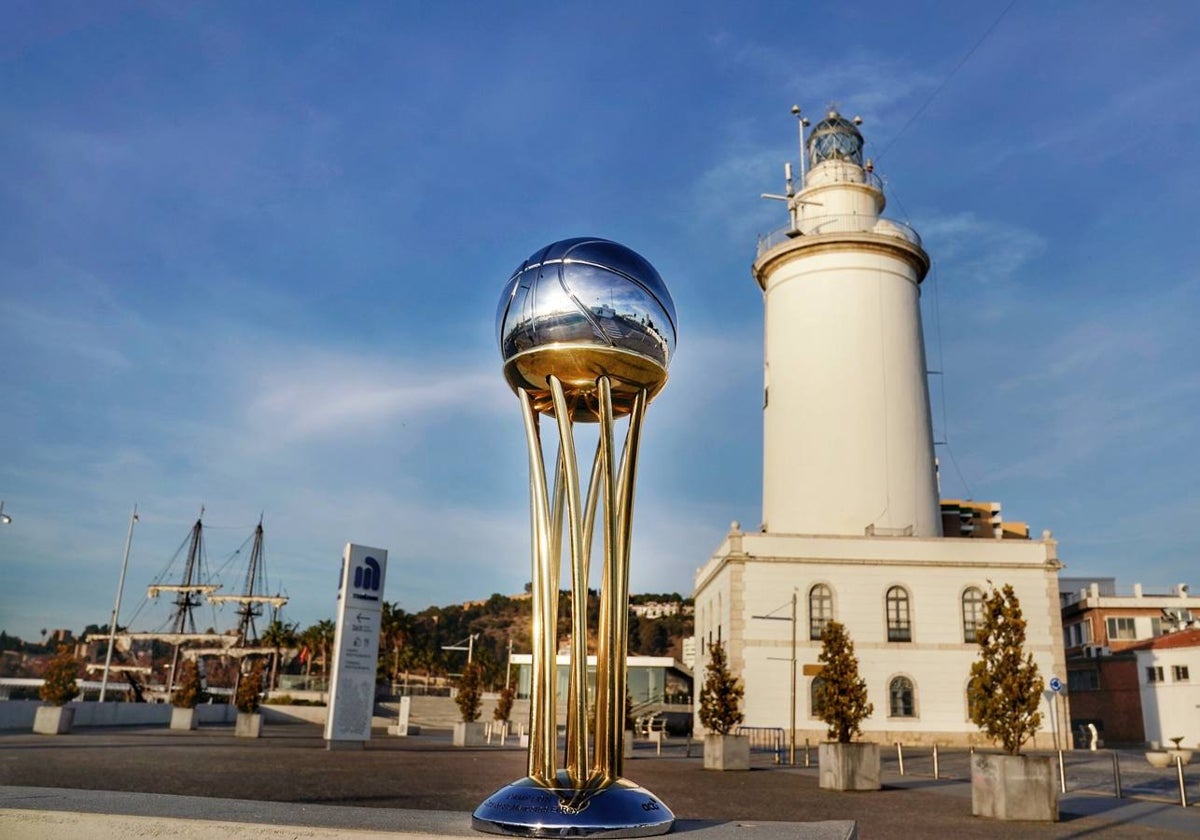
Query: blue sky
(250, 256)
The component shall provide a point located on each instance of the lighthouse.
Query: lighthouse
(851, 526)
(847, 438)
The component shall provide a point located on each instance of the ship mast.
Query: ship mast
(253, 596)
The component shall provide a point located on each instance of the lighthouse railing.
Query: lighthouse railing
(836, 224)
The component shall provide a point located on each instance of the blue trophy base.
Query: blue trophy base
(527, 808)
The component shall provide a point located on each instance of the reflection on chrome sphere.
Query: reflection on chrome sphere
(584, 308)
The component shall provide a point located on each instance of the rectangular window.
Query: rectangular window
(1121, 629)
(1156, 627)
(1088, 680)
(1154, 673)
(1179, 673)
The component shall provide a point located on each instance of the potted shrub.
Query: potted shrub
(842, 704)
(720, 699)
(249, 719)
(186, 696)
(1004, 694)
(469, 732)
(58, 689)
(503, 710)
(1179, 752)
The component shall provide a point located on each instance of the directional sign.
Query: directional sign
(1055, 685)
(356, 644)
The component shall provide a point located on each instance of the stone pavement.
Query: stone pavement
(391, 778)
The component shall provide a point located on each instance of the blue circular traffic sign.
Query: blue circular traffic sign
(1055, 684)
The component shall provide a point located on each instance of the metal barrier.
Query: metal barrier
(764, 739)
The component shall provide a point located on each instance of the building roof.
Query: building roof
(1182, 638)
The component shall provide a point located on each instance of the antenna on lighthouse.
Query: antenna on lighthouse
(801, 124)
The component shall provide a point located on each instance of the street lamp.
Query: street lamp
(5, 519)
(769, 617)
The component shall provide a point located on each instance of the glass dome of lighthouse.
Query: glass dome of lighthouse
(835, 138)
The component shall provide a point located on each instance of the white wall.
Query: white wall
(1171, 708)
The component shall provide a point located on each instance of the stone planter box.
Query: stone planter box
(1014, 787)
(726, 752)
(473, 734)
(248, 725)
(53, 720)
(1159, 759)
(853, 766)
(1184, 755)
(183, 719)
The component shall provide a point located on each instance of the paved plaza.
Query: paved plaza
(290, 765)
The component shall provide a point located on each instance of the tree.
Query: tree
(842, 695)
(59, 686)
(1005, 687)
(249, 688)
(721, 694)
(469, 696)
(187, 686)
(278, 635)
(504, 705)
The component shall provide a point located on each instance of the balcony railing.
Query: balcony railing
(843, 223)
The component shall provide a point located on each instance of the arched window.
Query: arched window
(899, 623)
(901, 701)
(972, 613)
(814, 696)
(820, 609)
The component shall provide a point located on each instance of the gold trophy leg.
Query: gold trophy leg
(584, 799)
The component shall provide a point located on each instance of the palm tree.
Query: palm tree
(278, 635)
(325, 630)
(395, 629)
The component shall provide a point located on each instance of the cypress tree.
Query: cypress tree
(721, 694)
(1005, 688)
(842, 694)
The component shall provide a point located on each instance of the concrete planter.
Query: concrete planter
(183, 719)
(1159, 759)
(726, 752)
(853, 766)
(1014, 787)
(248, 725)
(53, 720)
(1184, 755)
(473, 734)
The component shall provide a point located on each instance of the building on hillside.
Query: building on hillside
(852, 525)
(660, 609)
(1105, 634)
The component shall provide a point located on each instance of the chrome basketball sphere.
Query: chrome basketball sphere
(584, 308)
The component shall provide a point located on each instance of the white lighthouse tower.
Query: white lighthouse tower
(847, 440)
(852, 522)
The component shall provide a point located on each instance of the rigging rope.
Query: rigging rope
(946, 80)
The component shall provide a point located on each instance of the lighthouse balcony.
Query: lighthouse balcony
(838, 224)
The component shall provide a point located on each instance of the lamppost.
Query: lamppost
(112, 624)
(5, 519)
(769, 617)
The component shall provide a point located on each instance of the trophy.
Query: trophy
(587, 329)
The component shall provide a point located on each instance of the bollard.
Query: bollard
(900, 756)
(1182, 787)
(935, 762)
(688, 750)
(1062, 774)
(1117, 773)
(806, 757)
